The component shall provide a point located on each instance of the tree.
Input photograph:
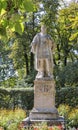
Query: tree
(73, 17)
(64, 32)
(12, 15)
(21, 50)
(6, 66)
(50, 14)
(16, 15)
(61, 26)
(66, 56)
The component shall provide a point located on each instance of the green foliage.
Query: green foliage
(51, 10)
(22, 83)
(9, 119)
(65, 47)
(12, 15)
(73, 118)
(70, 114)
(20, 53)
(17, 50)
(10, 82)
(71, 74)
(23, 97)
(73, 17)
(20, 97)
(31, 77)
(6, 65)
(26, 81)
(64, 110)
(59, 26)
(67, 96)
(66, 76)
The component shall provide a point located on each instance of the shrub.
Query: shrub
(63, 110)
(10, 119)
(73, 118)
(11, 98)
(66, 75)
(70, 114)
(67, 96)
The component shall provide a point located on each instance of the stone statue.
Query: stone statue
(44, 109)
(42, 47)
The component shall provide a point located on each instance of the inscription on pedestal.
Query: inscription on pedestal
(44, 94)
(43, 88)
(44, 100)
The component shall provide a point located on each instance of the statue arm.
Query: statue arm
(52, 45)
(33, 44)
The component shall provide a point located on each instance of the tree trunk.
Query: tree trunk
(27, 65)
(32, 62)
(59, 57)
(65, 61)
(31, 55)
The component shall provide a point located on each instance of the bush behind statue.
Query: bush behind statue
(11, 98)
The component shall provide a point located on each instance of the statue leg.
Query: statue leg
(40, 69)
(45, 68)
(48, 68)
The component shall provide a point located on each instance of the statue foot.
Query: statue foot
(40, 75)
(50, 75)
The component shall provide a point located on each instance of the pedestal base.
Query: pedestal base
(44, 100)
(44, 104)
(43, 114)
(53, 122)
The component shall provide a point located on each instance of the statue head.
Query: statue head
(43, 29)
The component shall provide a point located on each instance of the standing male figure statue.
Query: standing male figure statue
(42, 47)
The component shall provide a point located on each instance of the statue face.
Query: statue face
(43, 29)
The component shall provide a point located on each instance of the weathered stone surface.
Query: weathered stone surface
(44, 94)
(44, 109)
(42, 46)
(44, 100)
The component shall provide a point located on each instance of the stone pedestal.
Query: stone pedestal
(44, 100)
(44, 109)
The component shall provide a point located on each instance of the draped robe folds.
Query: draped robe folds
(42, 46)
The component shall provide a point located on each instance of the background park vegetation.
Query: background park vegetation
(19, 22)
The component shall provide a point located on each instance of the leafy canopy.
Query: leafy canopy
(12, 15)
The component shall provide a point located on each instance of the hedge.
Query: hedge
(23, 97)
(67, 95)
(14, 98)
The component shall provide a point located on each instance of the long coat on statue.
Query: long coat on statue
(42, 47)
